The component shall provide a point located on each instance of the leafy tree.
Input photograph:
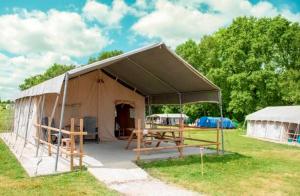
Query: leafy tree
(51, 72)
(105, 55)
(256, 63)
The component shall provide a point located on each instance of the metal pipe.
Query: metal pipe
(27, 124)
(221, 114)
(19, 114)
(61, 119)
(39, 128)
(180, 104)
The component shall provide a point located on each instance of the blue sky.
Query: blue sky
(35, 34)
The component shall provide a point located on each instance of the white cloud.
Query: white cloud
(104, 14)
(15, 69)
(35, 40)
(174, 24)
(111, 16)
(176, 21)
(53, 31)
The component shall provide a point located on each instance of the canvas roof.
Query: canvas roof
(153, 71)
(289, 114)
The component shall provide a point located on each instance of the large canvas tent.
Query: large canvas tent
(149, 75)
(280, 123)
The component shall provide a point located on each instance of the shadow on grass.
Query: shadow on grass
(192, 159)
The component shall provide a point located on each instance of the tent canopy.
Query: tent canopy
(289, 114)
(154, 71)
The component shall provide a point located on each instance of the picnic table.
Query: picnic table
(155, 135)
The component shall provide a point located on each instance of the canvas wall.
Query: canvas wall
(94, 94)
(268, 130)
(25, 118)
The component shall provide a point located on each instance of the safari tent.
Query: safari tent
(112, 94)
(279, 123)
(166, 119)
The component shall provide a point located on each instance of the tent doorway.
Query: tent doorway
(124, 120)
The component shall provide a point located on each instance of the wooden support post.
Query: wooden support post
(181, 126)
(139, 132)
(72, 144)
(81, 143)
(49, 139)
(218, 138)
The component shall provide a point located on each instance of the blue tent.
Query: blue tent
(211, 122)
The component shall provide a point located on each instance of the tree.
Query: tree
(51, 72)
(105, 55)
(255, 62)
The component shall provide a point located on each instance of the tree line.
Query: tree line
(256, 63)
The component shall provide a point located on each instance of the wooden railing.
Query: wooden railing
(177, 136)
(71, 133)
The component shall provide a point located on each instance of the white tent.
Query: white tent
(166, 119)
(279, 123)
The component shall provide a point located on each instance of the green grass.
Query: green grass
(5, 118)
(252, 168)
(14, 180)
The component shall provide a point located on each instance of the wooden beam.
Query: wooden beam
(139, 132)
(49, 138)
(218, 138)
(81, 143)
(63, 131)
(171, 147)
(72, 145)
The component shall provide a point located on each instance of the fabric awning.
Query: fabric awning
(289, 114)
(52, 85)
(154, 71)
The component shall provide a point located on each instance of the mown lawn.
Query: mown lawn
(14, 180)
(252, 168)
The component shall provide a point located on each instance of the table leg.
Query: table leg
(129, 140)
(161, 136)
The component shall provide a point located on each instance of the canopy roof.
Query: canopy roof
(154, 71)
(289, 114)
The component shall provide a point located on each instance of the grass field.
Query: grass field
(5, 118)
(14, 180)
(253, 168)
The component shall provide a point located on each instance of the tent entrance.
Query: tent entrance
(124, 120)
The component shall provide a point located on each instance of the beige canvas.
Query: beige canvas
(95, 94)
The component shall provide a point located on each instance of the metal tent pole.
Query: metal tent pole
(39, 128)
(180, 104)
(61, 119)
(27, 123)
(181, 125)
(221, 114)
(19, 116)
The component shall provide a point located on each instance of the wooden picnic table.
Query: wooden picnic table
(158, 135)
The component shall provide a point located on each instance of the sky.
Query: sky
(35, 34)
